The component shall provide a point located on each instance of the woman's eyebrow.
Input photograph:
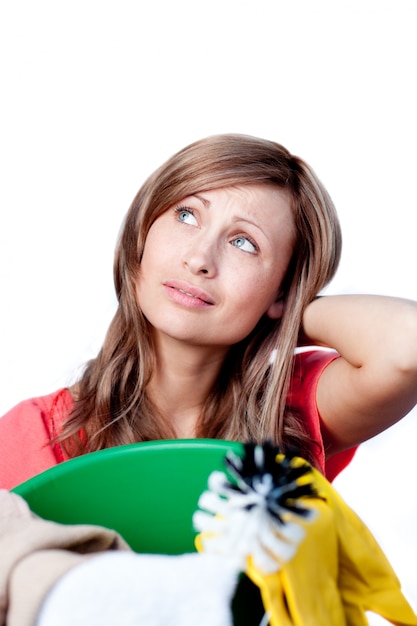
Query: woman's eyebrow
(202, 199)
(240, 218)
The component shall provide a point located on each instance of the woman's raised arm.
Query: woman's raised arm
(374, 383)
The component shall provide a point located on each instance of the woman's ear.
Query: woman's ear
(275, 310)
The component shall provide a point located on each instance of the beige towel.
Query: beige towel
(35, 553)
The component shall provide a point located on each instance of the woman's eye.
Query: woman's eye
(186, 216)
(245, 244)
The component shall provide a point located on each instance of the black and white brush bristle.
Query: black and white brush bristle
(263, 470)
(258, 511)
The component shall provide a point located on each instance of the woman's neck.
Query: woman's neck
(182, 380)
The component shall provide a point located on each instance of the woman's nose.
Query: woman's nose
(200, 258)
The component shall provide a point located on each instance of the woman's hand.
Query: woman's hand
(374, 383)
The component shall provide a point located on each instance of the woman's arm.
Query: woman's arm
(374, 383)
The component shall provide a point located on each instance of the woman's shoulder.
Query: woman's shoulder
(52, 405)
(26, 434)
(309, 364)
(37, 419)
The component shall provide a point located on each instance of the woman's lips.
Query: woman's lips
(187, 294)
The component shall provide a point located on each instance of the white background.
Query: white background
(96, 94)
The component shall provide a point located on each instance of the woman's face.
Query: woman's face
(213, 264)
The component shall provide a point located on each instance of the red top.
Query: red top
(26, 431)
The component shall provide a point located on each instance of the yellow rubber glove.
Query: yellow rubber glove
(337, 573)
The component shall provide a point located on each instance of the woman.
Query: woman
(217, 271)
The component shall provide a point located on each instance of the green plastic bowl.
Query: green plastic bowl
(147, 492)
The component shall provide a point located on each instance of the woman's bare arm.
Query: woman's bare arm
(374, 383)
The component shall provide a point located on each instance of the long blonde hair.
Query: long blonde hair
(248, 402)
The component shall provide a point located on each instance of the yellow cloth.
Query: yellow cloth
(337, 574)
